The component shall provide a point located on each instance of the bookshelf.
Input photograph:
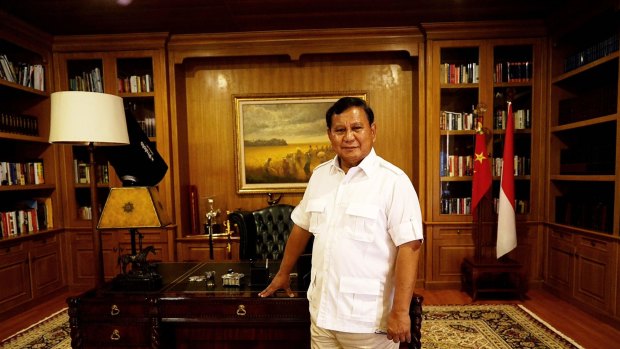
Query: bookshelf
(30, 214)
(583, 147)
(131, 66)
(473, 72)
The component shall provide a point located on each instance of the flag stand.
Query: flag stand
(484, 272)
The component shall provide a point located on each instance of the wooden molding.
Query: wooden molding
(295, 43)
(111, 42)
(483, 29)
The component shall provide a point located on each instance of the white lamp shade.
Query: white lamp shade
(85, 117)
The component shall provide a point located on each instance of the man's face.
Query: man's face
(351, 136)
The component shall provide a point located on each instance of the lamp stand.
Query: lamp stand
(94, 203)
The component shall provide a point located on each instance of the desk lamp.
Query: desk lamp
(133, 208)
(89, 118)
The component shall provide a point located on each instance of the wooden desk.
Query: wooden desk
(188, 314)
(491, 276)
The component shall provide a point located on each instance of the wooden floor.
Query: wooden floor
(582, 327)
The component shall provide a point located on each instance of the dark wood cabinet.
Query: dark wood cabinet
(31, 267)
(582, 267)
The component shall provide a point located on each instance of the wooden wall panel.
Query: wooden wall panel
(389, 79)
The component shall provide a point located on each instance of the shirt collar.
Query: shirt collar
(369, 164)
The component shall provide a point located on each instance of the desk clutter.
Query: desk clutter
(259, 277)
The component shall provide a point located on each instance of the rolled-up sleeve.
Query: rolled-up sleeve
(405, 216)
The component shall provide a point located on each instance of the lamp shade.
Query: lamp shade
(87, 117)
(133, 207)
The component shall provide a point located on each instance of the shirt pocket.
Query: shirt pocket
(362, 221)
(358, 298)
(316, 209)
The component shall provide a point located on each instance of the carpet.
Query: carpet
(443, 327)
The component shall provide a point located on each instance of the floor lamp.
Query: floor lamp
(92, 119)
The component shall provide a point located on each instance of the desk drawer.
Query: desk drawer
(108, 335)
(110, 310)
(235, 310)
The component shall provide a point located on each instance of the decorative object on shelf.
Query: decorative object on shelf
(280, 139)
(133, 208)
(89, 118)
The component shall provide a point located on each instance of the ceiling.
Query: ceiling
(66, 17)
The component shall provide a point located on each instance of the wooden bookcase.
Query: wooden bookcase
(473, 70)
(133, 67)
(30, 250)
(583, 151)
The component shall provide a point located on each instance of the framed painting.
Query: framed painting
(280, 139)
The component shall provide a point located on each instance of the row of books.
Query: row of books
(513, 72)
(456, 165)
(463, 165)
(135, 84)
(521, 206)
(598, 50)
(81, 172)
(463, 205)
(29, 75)
(459, 73)
(28, 217)
(456, 121)
(522, 117)
(456, 205)
(19, 123)
(85, 213)
(87, 81)
(21, 173)
(522, 166)
(148, 126)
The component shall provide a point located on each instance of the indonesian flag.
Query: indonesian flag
(506, 228)
(482, 173)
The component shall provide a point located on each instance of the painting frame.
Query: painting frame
(280, 138)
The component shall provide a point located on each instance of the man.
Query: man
(367, 225)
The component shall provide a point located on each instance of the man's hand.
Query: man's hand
(399, 327)
(280, 282)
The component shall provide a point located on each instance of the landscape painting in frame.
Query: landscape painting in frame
(280, 140)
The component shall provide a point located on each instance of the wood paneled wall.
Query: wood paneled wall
(209, 84)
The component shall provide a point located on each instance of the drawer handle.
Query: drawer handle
(115, 310)
(116, 335)
(241, 310)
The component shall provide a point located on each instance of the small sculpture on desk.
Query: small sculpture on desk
(138, 262)
(141, 275)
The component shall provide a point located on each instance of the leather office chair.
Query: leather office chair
(263, 234)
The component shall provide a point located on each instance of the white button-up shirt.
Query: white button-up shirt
(358, 219)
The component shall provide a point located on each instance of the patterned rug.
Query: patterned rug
(443, 327)
(488, 327)
(50, 333)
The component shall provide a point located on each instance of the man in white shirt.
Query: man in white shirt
(367, 224)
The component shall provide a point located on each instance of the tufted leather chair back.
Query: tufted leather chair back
(264, 232)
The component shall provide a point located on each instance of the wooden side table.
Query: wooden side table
(493, 276)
